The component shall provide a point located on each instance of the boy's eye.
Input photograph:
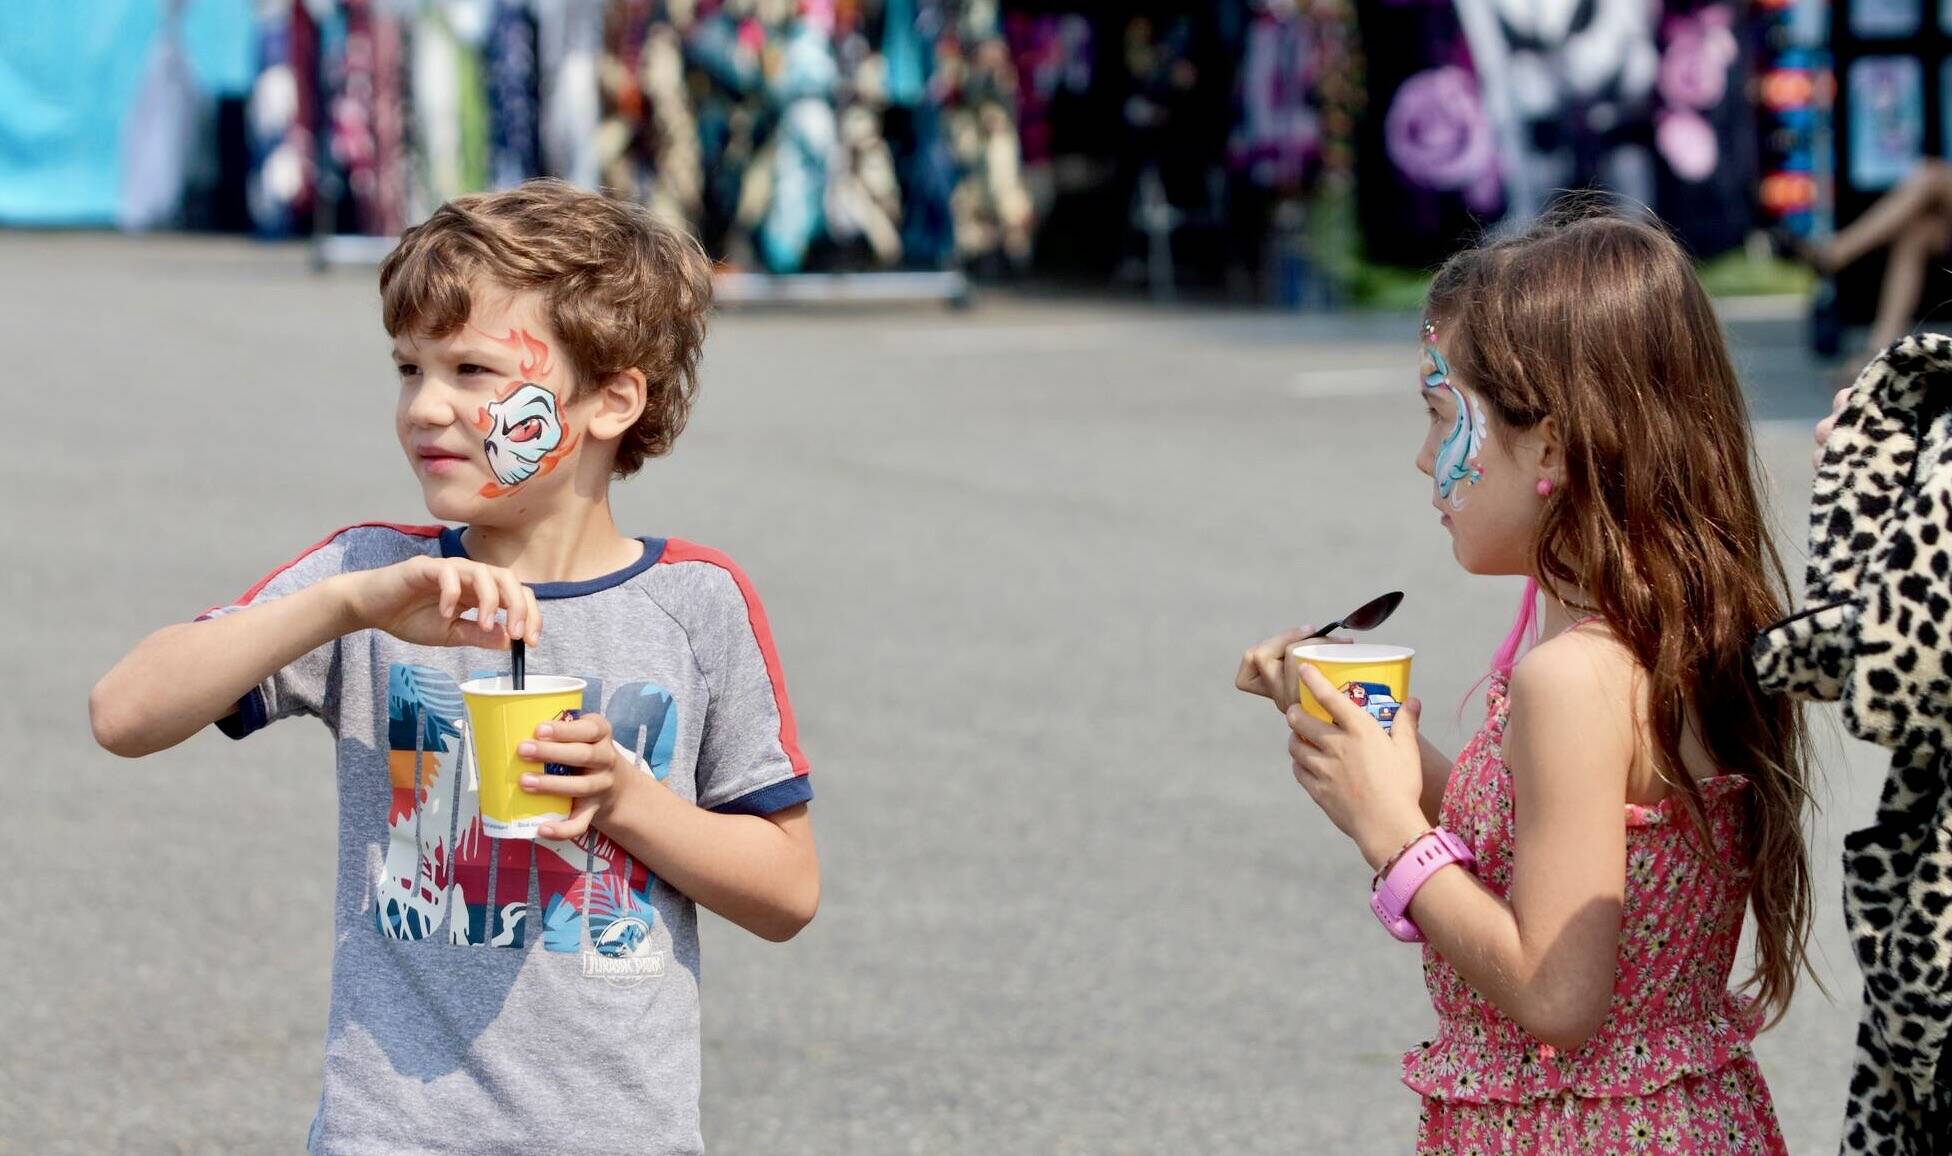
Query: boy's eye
(468, 367)
(407, 369)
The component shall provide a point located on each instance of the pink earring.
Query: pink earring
(1545, 487)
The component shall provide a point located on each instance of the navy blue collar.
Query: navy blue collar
(451, 547)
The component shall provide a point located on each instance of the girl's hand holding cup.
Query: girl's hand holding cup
(1368, 781)
(1268, 670)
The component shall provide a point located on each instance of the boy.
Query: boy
(501, 995)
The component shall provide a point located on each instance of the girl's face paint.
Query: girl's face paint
(1459, 458)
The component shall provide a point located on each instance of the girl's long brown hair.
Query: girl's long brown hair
(1599, 322)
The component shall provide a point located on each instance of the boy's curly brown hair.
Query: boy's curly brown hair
(620, 288)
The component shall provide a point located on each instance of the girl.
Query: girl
(1578, 876)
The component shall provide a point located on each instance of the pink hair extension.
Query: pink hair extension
(1524, 630)
(1524, 634)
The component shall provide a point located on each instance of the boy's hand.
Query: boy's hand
(420, 601)
(602, 771)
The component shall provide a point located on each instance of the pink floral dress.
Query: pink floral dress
(1670, 1068)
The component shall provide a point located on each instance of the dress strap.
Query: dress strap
(1582, 620)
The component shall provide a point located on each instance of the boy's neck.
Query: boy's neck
(573, 545)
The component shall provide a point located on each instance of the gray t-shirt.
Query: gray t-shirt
(503, 995)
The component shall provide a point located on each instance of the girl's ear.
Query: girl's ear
(620, 400)
(1551, 451)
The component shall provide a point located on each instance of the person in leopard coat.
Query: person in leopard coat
(1877, 634)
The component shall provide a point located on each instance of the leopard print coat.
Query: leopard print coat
(1878, 635)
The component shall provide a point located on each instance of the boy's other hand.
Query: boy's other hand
(421, 600)
(600, 771)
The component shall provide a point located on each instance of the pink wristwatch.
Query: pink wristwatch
(1391, 892)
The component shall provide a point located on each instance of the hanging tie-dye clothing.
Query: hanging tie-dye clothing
(514, 110)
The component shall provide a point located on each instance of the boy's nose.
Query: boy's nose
(430, 407)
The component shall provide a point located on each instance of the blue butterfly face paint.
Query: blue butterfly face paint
(1460, 456)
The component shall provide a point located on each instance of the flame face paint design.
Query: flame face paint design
(1460, 456)
(522, 430)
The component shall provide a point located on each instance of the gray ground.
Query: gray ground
(1074, 902)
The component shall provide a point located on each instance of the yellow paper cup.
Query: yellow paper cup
(499, 717)
(1376, 678)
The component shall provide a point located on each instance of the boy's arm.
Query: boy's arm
(184, 677)
(745, 849)
(760, 872)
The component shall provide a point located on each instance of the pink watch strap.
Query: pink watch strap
(1391, 895)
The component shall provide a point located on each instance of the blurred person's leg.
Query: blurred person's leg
(1926, 192)
(1923, 239)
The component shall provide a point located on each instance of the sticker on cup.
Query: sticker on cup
(1374, 677)
(569, 715)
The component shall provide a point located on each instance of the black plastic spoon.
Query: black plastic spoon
(1372, 614)
(518, 661)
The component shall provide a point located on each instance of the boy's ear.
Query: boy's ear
(620, 400)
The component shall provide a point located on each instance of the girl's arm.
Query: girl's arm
(1547, 957)
(1436, 776)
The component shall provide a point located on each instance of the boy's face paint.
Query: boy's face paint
(485, 411)
(1459, 458)
(523, 430)
(520, 429)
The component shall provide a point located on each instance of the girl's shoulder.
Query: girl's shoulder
(1586, 657)
(1584, 681)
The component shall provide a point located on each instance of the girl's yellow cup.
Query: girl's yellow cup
(499, 718)
(1376, 678)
